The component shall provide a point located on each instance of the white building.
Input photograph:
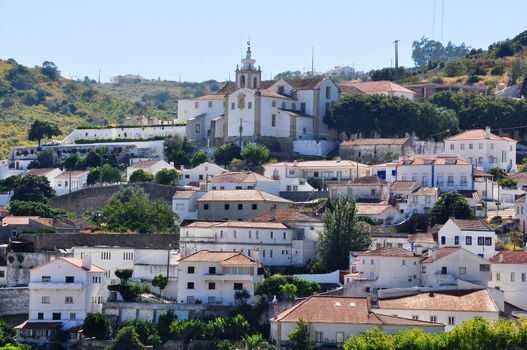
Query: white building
(61, 293)
(334, 319)
(271, 243)
(472, 235)
(70, 181)
(366, 188)
(383, 213)
(148, 166)
(416, 243)
(448, 173)
(509, 274)
(452, 266)
(185, 205)
(450, 308)
(418, 202)
(520, 210)
(49, 173)
(214, 277)
(244, 181)
(483, 149)
(203, 172)
(128, 132)
(287, 109)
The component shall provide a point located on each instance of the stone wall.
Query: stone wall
(47, 241)
(97, 197)
(14, 301)
(20, 263)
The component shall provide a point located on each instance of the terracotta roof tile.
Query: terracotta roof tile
(287, 215)
(371, 208)
(394, 141)
(183, 194)
(520, 177)
(422, 238)
(225, 258)
(471, 225)
(239, 177)
(403, 186)
(468, 301)
(240, 195)
(78, 262)
(474, 195)
(510, 257)
(145, 164)
(305, 83)
(440, 253)
(71, 174)
(388, 252)
(477, 134)
(211, 97)
(426, 191)
(369, 180)
(40, 172)
(374, 87)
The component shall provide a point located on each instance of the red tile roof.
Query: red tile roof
(459, 300)
(388, 252)
(287, 215)
(506, 257)
(39, 325)
(240, 196)
(78, 262)
(212, 97)
(239, 177)
(73, 174)
(145, 164)
(471, 225)
(225, 258)
(440, 253)
(477, 134)
(403, 186)
(394, 141)
(374, 87)
(41, 171)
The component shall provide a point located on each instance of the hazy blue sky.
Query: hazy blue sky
(201, 39)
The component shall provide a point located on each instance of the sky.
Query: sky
(197, 40)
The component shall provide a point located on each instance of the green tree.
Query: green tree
(342, 233)
(236, 164)
(198, 158)
(160, 281)
(450, 205)
(255, 155)
(274, 286)
(301, 336)
(74, 162)
(226, 153)
(253, 342)
(146, 331)
(32, 188)
(518, 69)
(45, 159)
(236, 326)
(7, 334)
(28, 208)
(105, 174)
(288, 290)
(96, 325)
(126, 339)
(163, 324)
(141, 176)
(498, 173)
(178, 150)
(167, 177)
(50, 70)
(455, 68)
(20, 77)
(42, 130)
(124, 275)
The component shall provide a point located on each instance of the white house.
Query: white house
(70, 181)
(452, 266)
(48, 173)
(418, 202)
(148, 166)
(368, 188)
(520, 211)
(386, 268)
(448, 173)
(334, 319)
(214, 277)
(271, 243)
(244, 181)
(61, 293)
(450, 308)
(472, 235)
(509, 274)
(185, 205)
(483, 149)
(416, 243)
(382, 212)
(203, 172)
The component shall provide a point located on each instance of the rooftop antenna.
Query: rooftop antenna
(396, 42)
(312, 60)
(442, 17)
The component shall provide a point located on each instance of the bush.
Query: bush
(97, 325)
(498, 70)
(455, 68)
(473, 79)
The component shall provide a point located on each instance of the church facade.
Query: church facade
(252, 110)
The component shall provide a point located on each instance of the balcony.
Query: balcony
(55, 285)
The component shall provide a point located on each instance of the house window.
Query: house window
(190, 285)
(480, 146)
(523, 276)
(56, 316)
(450, 180)
(273, 120)
(440, 181)
(462, 270)
(270, 253)
(196, 104)
(238, 286)
(212, 285)
(273, 103)
(190, 269)
(70, 279)
(284, 236)
(470, 146)
(444, 270)
(40, 316)
(451, 320)
(415, 317)
(212, 270)
(68, 300)
(468, 240)
(303, 107)
(433, 318)
(293, 106)
(249, 105)
(45, 300)
(498, 276)
(339, 337)
(240, 206)
(96, 279)
(462, 146)
(423, 269)
(481, 240)
(404, 262)
(210, 104)
(319, 337)
(451, 147)
(198, 128)
(463, 180)
(456, 240)
(232, 105)
(73, 315)
(205, 207)
(488, 241)
(281, 89)
(443, 240)
(226, 206)
(255, 206)
(328, 91)
(372, 192)
(283, 105)
(45, 279)
(513, 277)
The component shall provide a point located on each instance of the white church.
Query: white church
(290, 111)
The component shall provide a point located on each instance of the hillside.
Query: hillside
(27, 94)
(160, 94)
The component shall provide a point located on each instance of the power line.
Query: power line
(367, 50)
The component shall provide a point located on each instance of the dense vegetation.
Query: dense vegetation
(28, 94)
(471, 335)
(450, 205)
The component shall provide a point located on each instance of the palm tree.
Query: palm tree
(254, 342)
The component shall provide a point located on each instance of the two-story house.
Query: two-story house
(509, 274)
(244, 181)
(472, 235)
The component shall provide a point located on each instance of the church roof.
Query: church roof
(306, 83)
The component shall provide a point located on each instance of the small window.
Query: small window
(196, 104)
(210, 104)
(198, 128)
(328, 91)
(273, 120)
(45, 300)
(513, 277)
(68, 300)
(451, 320)
(190, 269)
(481, 240)
(423, 269)
(415, 317)
(212, 270)
(468, 240)
(205, 207)
(232, 105)
(190, 285)
(404, 262)
(40, 316)
(498, 276)
(240, 206)
(212, 285)
(70, 279)
(56, 316)
(273, 103)
(226, 207)
(45, 279)
(462, 270)
(249, 105)
(255, 206)
(443, 240)
(488, 241)
(433, 318)
(73, 316)
(238, 286)
(456, 240)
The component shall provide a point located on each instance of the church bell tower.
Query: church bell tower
(248, 76)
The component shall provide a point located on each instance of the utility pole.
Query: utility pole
(396, 53)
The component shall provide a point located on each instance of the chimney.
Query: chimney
(487, 132)
(86, 262)
(501, 257)
(431, 294)
(434, 255)
(272, 214)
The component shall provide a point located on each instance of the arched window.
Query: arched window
(293, 106)
(242, 81)
(255, 83)
(283, 105)
(273, 103)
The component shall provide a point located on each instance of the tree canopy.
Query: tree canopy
(255, 155)
(104, 174)
(31, 188)
(226, 153)
(97, 325)
(126, 339)
(426, 50)
(198, 158)
(167, 177)
(342, 233)
(178, 149)
(450, 205)
(40, 130)
(294, 287)
(301, 336)
(141, 176)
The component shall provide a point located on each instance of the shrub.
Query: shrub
(455, 68)
(473, 79)
(498, 70)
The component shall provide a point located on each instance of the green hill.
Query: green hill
(27, 94)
